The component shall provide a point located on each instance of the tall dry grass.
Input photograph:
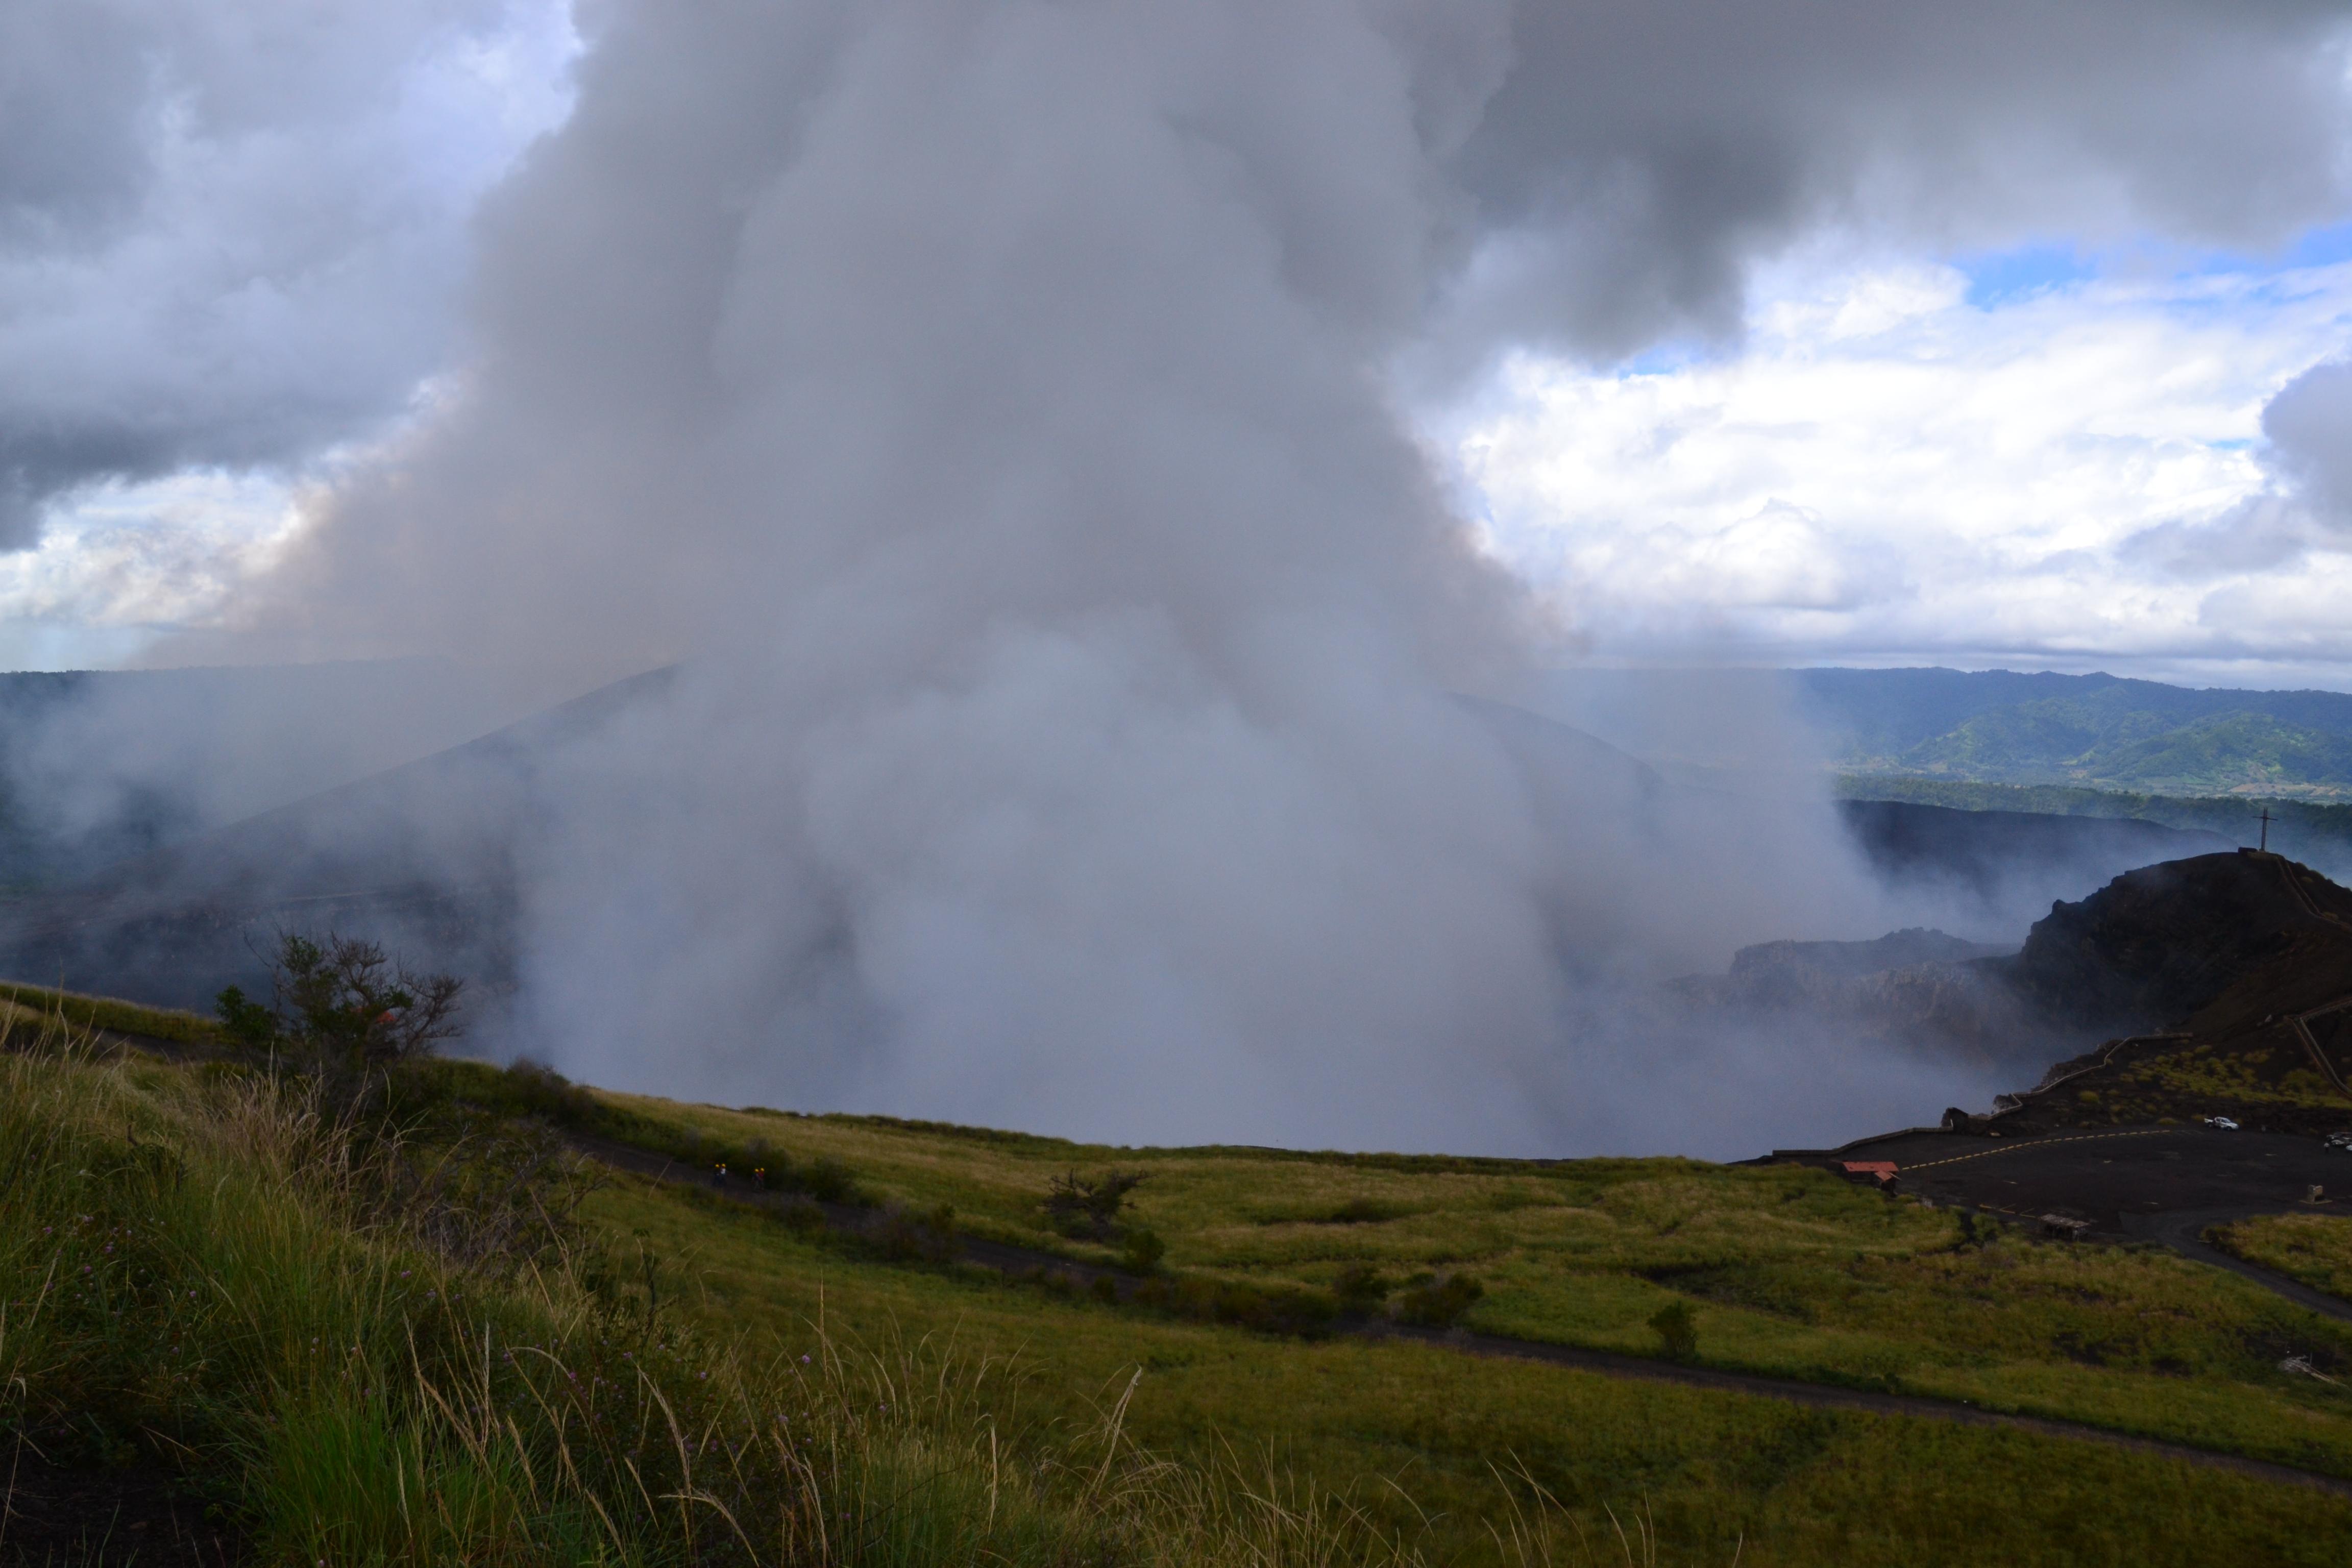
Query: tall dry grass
(266, 1287)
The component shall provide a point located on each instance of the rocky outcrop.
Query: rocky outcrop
(2222, 981)
(1806, 971)
(2213, 959)
(1917, 990)
(2157, 945)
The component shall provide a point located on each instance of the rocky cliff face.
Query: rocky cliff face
(1805, 970)
(2177, 989)
(2218, 981)
(2156, 945)
(1916, 990)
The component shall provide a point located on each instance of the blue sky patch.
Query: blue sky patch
(2326, 246)
(1998, 276)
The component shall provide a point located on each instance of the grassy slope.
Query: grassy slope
(2316, 1248)
(197, 1270)
(112, 1013)
(276, 1271)
(1714, 1471)
(2167, 1082)
(1790, 1270)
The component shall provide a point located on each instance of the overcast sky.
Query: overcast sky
(1794, 333)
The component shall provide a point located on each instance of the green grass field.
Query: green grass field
(2316, 1248)
(335, 1315)
(1417, 1435)
(1787, 1271)
(35, 1002)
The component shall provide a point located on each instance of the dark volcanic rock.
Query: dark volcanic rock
(2156, 945)
(2205, 985)
(1774, 971)
(1915, 990)
(2227, 980)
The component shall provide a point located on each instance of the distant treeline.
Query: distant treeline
(2320, 835)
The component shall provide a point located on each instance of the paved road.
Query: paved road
(2183, 1230)
(1019, 1260)
(2156, 1183)
(2114, 1174)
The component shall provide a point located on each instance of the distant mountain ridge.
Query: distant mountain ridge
(2099, 732)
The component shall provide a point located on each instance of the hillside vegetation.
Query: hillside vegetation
(2089, 731)
(418, 1329)
(362, 1350)
(1784, 1270)
(2296, 827)
(2314, 1248)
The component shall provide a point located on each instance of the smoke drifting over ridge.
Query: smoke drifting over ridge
(992, 408)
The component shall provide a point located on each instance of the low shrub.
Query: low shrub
(1440, 1301)
(1970, 1231)
(802, 1217)
(1677, 1330)
(826, 1179)
(909, 1236)
(1088, 1207)
(343, 997)
(1141, 1250)
(1268, 1308)
(1359, 1288)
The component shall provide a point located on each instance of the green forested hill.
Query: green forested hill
(2092, 731)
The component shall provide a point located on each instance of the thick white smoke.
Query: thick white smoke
(991, 405)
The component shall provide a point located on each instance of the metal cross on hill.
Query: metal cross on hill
(2265, 820)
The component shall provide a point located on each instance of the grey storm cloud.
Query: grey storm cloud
(1636, 159)
(2305, 504)
(2309, 427)
(1581, 177)
(229, 234)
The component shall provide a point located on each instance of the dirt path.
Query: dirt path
(1011, 1259)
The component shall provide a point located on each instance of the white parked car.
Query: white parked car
(2222, 1123)
(2339, 1141)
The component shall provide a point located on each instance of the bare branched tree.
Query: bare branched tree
(345, 994)
(1090, 1205)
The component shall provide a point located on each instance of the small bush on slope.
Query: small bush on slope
(345, 997)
